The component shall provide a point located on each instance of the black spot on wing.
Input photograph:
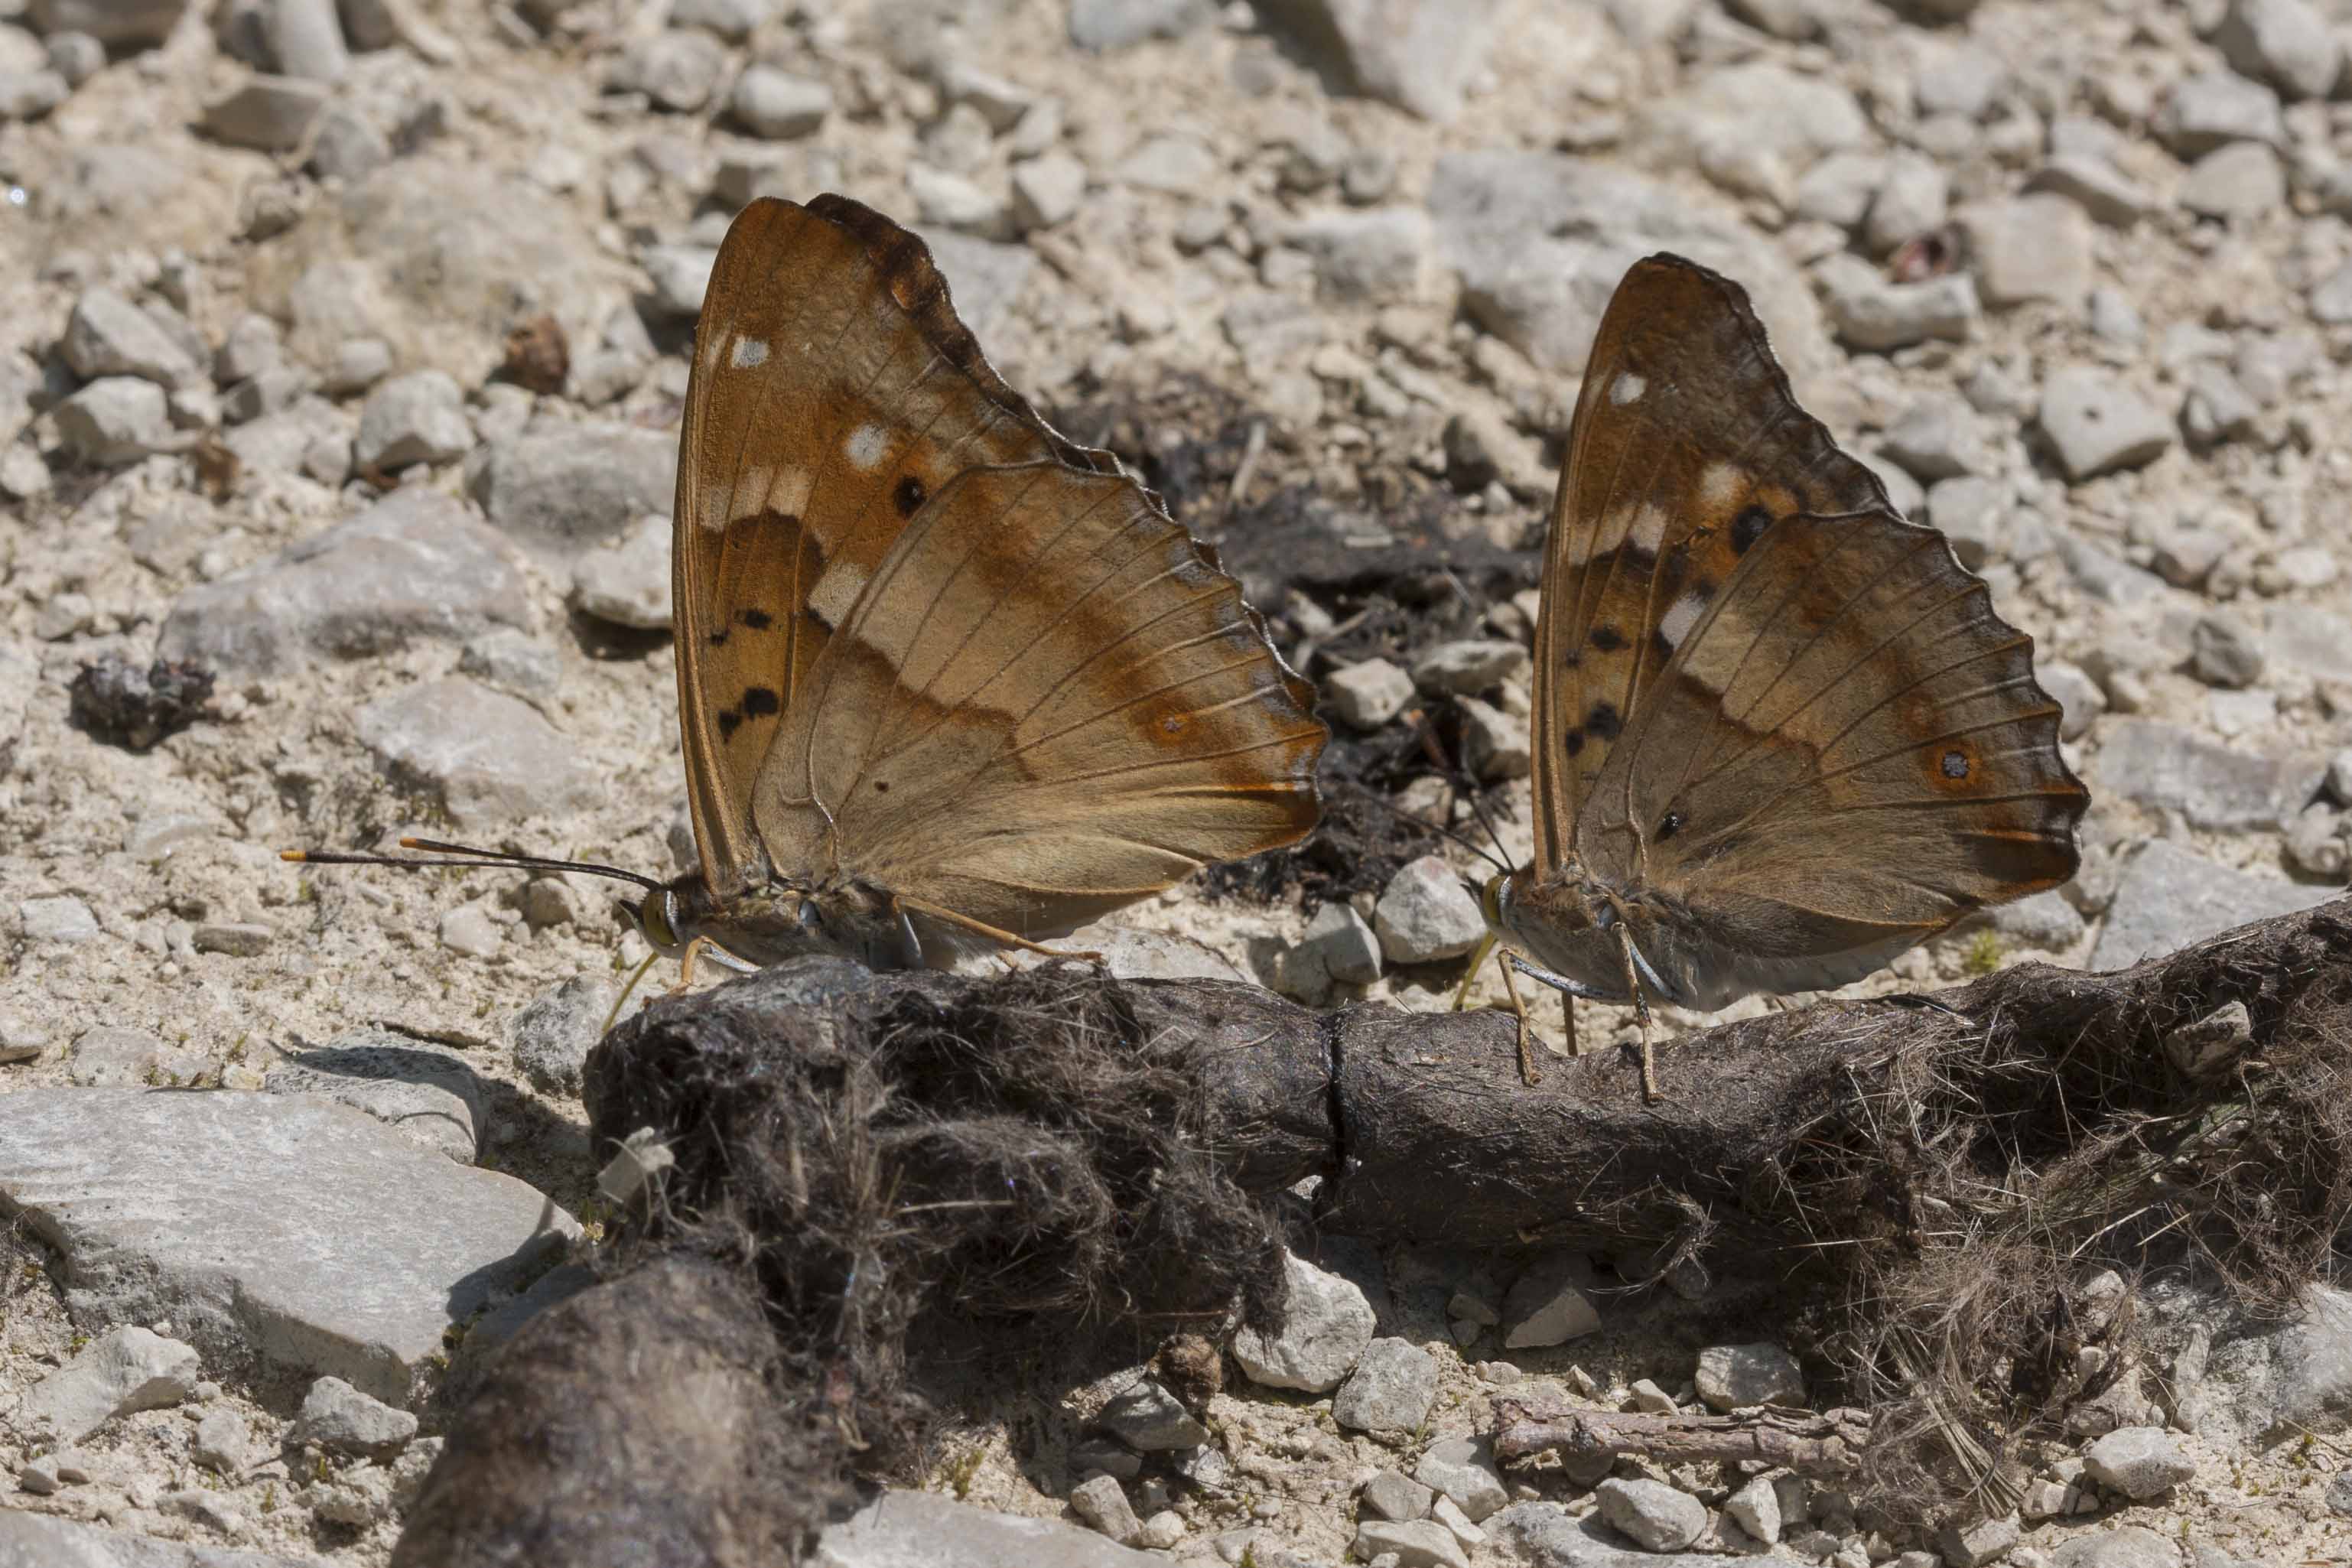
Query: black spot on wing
(1603, 722)
(1572, 743)
(760, 702)
(1749, 527)
(1668, 826)
(1608, 639)
(758, 620)
(729, 723)
(1662, 647)
(910, 496)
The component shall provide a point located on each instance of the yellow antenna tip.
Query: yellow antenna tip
(292, 855)
(411, 843)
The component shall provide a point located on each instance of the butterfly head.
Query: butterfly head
(786, 919)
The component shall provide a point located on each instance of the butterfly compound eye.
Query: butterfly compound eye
(811, 916)
(654, 920)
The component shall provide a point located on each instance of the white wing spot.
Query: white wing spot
(1627, 388)
(866, 445)
(749, 353)
(1680, 616)
(836, 590)
(1719, 484)
(1649, 528)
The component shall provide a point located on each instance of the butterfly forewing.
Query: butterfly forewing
(1686, 446)
(1046, 704)
(833, 391)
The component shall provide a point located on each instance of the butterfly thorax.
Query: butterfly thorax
(780, 917)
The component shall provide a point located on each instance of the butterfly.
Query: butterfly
(946, 678)
(1779, 734)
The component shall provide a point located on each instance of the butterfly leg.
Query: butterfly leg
(1527, 1073)
(1650, 1094)
(904, 905)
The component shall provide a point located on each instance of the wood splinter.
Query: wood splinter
(1826, 1446)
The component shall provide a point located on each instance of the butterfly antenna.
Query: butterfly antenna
(464, 855)
(1460, 779)
(1464, 839)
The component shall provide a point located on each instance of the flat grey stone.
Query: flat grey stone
(1937, 438)
(2111, 196)
(677, 68)
(340, 1418)
(681, 278)
(923, 1529)
(778, 105)
(1047, 190)
(58, 917)
(2242, 180)
(1149, 1417)
(1121, 24)
(124, 1370)
(1427, 914)
(2043, 920)
(44, 1540)
(2272, 1381)
(2285, 43)
(1390, 1390)
(302, 1236)
(1463, 1470)
(2125, 1546)
(1394, 1495)
(1338, 948)
(2169, 898)
(552, 1036)
(2223, 651)
(416, 566)
(1975, 1545)
(1326, 1325)
(1378, 254)
(1659, 1517)
(419, 417)
(2141, 1462)
(628, 583)
(1417, 55)
(114, 420)
(1102, 1503)
(1870, 313)
(1732, 1377)
(108, 335)
(2097, 424)
(427, 1093)
(1367, 695)
(2214, 785)
(1546, 1304)
(1541, 239)
(565, 486)
(307, 39)
(488, 757)
(267, 113)
(2030, 247)
(1546, 1536)
(1465, 668)
(1756, 1509)
(2215, 108)
(1409, 1543)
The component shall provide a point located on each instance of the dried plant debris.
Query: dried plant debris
(116, 700)
(538, 355)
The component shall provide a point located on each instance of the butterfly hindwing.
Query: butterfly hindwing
(1047, 702)
(1686, 447)
(1847, 754)
(833, 392)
